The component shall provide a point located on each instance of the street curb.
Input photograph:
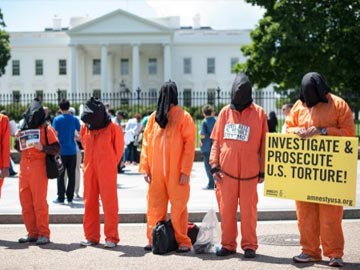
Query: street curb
(275, 215)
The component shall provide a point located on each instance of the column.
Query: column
(104, 68)
(167, 62)
(135, 67)
(74, 72)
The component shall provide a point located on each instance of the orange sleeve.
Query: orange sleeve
(265, 129)
(345, 121)
(291, 121)
(188, 132)
(51, 135)
(144, 166)
(216, 135)
(118, 141)
(5, 141)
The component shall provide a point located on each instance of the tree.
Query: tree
(298, 36)
(4, 46)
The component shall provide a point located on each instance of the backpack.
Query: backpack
(163, 238)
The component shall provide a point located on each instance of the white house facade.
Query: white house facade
(122, 52)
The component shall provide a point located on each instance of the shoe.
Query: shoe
(70, 203)
(27, 239)
(109, 244)
(224, 252)
(183, 249)
(249, 253)
(208, 188)
(42, 240)
(148, 247)
(58, 201)
(86, 243)
(336, 262)
(304, 258)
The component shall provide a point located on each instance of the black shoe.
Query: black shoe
(249, 253)
(27, 239)
(208, 188)
(148, 247)
(58, 201)
(224, 252)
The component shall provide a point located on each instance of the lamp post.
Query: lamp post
(218, 90)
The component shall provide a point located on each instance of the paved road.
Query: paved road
(278, 242)
(132, 200)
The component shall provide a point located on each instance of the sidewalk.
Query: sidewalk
(278, 243)
(132, 200)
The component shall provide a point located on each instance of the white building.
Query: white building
(122, 52)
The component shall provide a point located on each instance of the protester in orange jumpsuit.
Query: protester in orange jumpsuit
(103, 143)
(167, 157)
(318, 112)
(33, 181)
(4, 148)
(237, 162)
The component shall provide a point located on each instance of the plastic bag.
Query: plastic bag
(209, 236)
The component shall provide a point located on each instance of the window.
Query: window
(39, 94)
(152, 66)
(187, 65)
(39, 67)
(16, 96)
(62, 94)
(124, 66)
(153, 96)
(187, 97)
(233, 62)
(96, 67)
(62, 67)
(97, 93)
(211, 65)
(211, 94)
(15, 67)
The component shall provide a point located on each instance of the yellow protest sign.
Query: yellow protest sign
(321, 169)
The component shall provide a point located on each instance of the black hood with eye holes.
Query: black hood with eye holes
(95, 115)
(241, 93)
(313, 89)
(34, 116)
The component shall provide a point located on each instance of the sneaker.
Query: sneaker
(42, 240)
(58, 201)
(304, 258)
(249, 253)
(109, 244)
(183, 249)
(86, 243)
(224, 252)
(336, 262)
(27, 239)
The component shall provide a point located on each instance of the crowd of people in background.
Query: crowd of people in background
(232, 144)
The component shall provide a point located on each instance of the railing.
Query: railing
(141, 102)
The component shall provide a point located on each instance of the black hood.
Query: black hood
(168, 95)
(241, 93)
(34, 116)
(95, 115)
(313, 89)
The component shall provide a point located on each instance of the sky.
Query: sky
(31, 15)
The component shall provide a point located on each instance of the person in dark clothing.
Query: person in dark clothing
(272, 122)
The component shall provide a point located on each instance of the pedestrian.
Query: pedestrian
(103, 143)
(65, 125)
(4, 148)
(285, 111)
(272, 122)
(118, 120)
(166, 161)
(33, 180)
(206, 128)
(319, 112)
(132, 130)
(237, 163)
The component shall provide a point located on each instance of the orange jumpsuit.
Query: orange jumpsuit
(242, 159)
(33, 186)
(103, 149)
(4, 145)
(320, 222)
(165, 154)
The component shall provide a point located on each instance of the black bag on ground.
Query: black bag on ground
(163, 238)
(193, 231)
